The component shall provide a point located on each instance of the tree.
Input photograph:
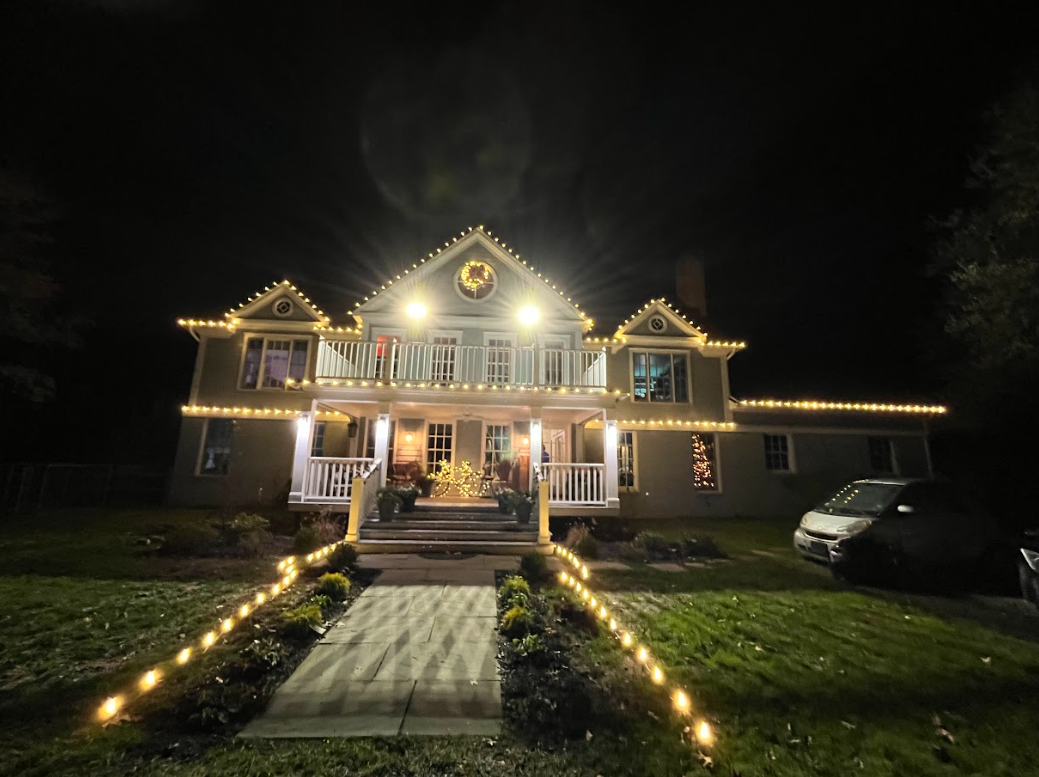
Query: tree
(989, 259)
(29, 327)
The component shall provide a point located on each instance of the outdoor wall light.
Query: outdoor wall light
(528, 315)
(526, 441)
(416, 310)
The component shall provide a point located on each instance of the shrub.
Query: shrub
(529, 645)
(252, 543)
(578, 615)
(587, 547)
(515, 590)
(701, 547)
(517, 622)
(285, 523)
(323, 602)
(534, 567)
(250, 532)
(651, 542)
(249, 522)
(326, 528)
(306, 540)
(575, 534)
(334, 586)
(344, 557)
(192, 539)
(300, 621)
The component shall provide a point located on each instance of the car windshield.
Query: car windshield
(860, 499)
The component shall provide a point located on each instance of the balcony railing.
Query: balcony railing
(331, 479)
(435, 363)
(576, 485)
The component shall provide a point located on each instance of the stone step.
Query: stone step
(497, 548)
(424, 535)
(453, 515)
(449, 524)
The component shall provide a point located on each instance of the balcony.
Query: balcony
(447, 364)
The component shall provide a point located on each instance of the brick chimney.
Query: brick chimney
(689, 283)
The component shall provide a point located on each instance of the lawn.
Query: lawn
(798, 675)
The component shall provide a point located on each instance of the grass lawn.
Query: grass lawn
(798, 675)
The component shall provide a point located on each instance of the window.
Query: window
(369, 443)
(497, 445)
(318, 448)
(499, 360)
(660, 377)
(777, 453)
(443, 366)
(626, 461)
(705, 463)
(881, 455)
(216, 446)
(476, 280)
(438, 446)
(269, 363)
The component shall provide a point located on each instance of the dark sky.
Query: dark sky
(201, 150)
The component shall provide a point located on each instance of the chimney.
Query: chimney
(689, 283)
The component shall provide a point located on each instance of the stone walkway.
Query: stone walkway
(415, 654)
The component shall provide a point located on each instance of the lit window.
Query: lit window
(438, 446)
(705, 463)
(881, 455)
(626, 461)
(659, 377)
(216, 446)
(269, 363)
(777, 452)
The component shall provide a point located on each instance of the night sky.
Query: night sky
(202, 150)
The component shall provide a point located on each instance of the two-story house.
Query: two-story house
(473, 366)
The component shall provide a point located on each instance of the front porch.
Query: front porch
(459, 457)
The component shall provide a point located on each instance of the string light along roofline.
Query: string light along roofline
(620, 337)
(859, 407)
(480, 229)
(275, 287)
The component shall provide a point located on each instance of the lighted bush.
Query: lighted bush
(300, 621)
(587, 547)
(306, 540)
(534, 567)
(344, 557)
(333, 585)
(192, 539)
(517, 622)
(515, 590)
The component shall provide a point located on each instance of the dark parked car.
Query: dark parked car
(1028, 567)
(921, 528)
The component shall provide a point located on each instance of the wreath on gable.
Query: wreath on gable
(476, 279)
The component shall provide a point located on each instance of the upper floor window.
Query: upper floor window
(881, 455)
(777, 453)
(271, 362)
(659, 377)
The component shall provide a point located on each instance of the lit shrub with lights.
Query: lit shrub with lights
(333, 585)
(517, 622)
(514, 591)
(301, 621)
(534, 567)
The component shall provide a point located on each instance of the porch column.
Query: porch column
(535, 445)
(609, 457)
(382, 441)
(301, 453)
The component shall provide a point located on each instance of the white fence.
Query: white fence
(574, 484)
(331, 479)
(437, 363)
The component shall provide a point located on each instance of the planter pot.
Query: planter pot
(408, 502)
(426, 486)
(523, 510)
(386, 510)
(503, 506)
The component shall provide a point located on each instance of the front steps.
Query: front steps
(462, 530)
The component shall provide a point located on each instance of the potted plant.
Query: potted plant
(388, 502)
(505, 500)
(408, 494)
(524, 505)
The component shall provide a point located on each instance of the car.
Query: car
(928, 523)
(1028, 567)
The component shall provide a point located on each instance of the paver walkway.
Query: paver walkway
(415, 654)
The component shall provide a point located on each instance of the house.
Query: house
(473, 366)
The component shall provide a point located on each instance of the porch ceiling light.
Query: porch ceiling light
(528, 315)
(416, 310)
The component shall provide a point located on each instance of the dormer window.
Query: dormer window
(271, 363)
(659, 377)
(476, 280)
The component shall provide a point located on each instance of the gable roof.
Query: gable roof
(668, 311)
(466, 238)
(270, 293)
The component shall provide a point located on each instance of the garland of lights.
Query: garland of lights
(150, 679)
(701, 730)
(463, 479)
(475, 275)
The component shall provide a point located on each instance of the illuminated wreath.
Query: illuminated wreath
(476, 280)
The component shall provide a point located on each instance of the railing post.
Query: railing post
(544, 535)
(356, 504)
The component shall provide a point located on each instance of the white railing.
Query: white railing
(332, 479)
(475, 364)
(369, 495)
(574, 484)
